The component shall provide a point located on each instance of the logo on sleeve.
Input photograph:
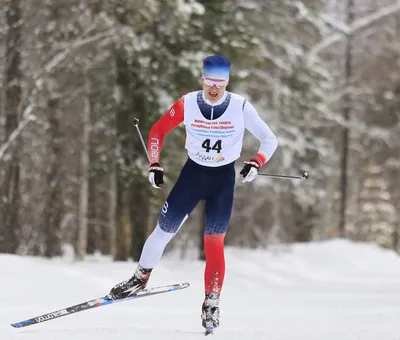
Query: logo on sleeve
(154, 148)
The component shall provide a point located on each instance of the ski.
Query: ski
(99, 302)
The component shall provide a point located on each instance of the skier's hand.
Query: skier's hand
(156, 175)
(249, 171)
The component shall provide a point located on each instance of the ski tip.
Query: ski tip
(23, 323)
(17, 325)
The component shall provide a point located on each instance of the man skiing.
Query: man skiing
(215, 121)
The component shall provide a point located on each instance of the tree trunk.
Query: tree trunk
(52, 213)
(346, 116)
(139, 212)
(94, 230)
(112, 213)
(123, 159)
(120, 221)
(10, 188)
(273, 233)
(84, 175)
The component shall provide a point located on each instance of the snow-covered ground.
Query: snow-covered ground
(334, 290)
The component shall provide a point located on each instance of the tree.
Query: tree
(73, 170)
(52, 212)
(10, 184)
(377, 214)
(348, 74)
(84, 173)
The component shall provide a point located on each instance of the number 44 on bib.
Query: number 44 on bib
(217, 145)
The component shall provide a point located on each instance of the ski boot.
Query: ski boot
(130, 287)
(210, 312)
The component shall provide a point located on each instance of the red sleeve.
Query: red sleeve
(165, 124)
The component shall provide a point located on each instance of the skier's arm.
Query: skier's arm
(165, 124)
(262, 132)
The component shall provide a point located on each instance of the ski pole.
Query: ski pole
(304, 175)
(136, 125)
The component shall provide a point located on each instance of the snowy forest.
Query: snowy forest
(74, 74)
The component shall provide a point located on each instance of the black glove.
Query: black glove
(250, 170)
(156, 175)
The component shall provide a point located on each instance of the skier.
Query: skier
(215, 121)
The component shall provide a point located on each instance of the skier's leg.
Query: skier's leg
(215, 263)
(181, 201)
(179, 204)
(218, 214)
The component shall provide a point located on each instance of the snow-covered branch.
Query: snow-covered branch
(59, 57)
(27, 118)
(358, 25)
(339, 27)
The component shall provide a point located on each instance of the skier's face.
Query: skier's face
(214, 89)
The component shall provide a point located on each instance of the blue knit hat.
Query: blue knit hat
(216, 67)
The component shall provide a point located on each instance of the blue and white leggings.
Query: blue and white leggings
(196, 182)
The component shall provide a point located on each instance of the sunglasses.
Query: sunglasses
(217, 83)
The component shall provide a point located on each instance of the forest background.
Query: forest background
(75, 73)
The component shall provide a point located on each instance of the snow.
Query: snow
(330, 290)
